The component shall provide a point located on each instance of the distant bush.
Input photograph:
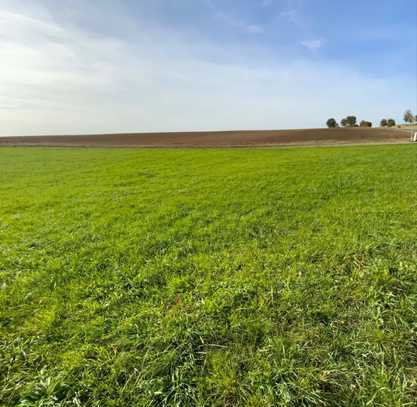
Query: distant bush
(332, 123)
(384, 123)
(365, 123)
(391, 123)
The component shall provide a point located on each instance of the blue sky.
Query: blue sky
(81, 66)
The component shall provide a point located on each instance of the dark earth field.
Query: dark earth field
(303, 137)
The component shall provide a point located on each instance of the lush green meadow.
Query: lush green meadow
(282, 277)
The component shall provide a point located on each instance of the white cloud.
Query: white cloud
(60, 79)
(232, 21)
(291, 15)
(266, 3)
(313, 45)
(255, 29)
(238, 23)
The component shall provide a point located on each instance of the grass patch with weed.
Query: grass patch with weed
(208, 277)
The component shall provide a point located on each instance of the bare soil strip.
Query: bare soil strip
(266, 138)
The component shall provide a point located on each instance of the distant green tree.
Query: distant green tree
(391, 123)
(409, 117)
(384, 123)
(332, 123)
(349, 121)
(365, 123)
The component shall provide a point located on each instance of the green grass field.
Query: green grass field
(282, 277)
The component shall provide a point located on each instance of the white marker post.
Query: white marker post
(414, 138)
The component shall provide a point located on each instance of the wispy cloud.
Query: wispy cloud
(59, 77)
(291, 15)
(234, 22)
(255, 29)
(313, 45)
(266, 3)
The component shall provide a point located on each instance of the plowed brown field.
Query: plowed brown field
(269, 138)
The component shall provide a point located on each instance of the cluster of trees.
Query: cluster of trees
(349, 121)
(387, 123)
(409, 117)
(352, 121)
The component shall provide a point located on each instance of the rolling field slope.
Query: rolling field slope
(227, 277)
(221, 139)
